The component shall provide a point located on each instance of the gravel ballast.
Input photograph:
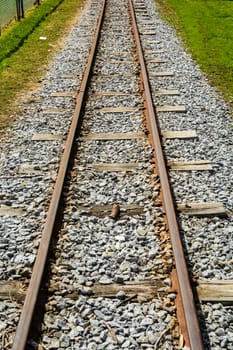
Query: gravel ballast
(96, 251)
(28, 173)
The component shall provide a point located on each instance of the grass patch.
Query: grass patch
(24, 57)
(13, 38)
(207, 29)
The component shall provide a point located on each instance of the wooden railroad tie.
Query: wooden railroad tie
(162, 74)
(153, 52)
(156, 60)
(72, 94)
(184, 134)
(148, 33)
(99, 210)
(202, 209)
(144, 290)
(115, 167)
(118, 109)
(170, 92)
(220, 291)
(191, 165)
(168, 108)
(9, 211)
(113, 93)
(113, 136)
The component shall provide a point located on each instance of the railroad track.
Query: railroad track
(86, 202)
(115, 275)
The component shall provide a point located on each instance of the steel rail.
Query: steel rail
(192, 322)
(26, 316)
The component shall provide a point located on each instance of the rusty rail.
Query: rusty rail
(192, 323)
(38, 269)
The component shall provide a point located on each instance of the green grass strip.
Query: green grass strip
(13, 39)
(207, 29)
(21, 70)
